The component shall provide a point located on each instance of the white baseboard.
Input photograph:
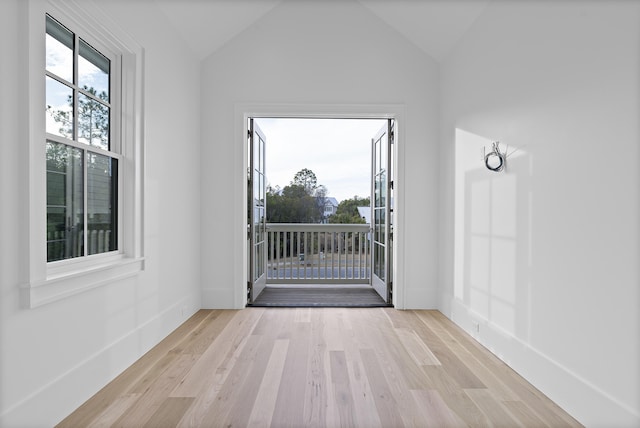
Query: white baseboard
(55, 400)
(587, 403)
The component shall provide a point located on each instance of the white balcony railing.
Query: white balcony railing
(318, 253)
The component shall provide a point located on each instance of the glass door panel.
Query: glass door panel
(257, 217)
(381, 215)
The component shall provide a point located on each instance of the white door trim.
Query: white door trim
(243, 111)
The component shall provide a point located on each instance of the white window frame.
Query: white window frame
(49, 282)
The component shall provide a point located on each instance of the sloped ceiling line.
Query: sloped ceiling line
(435, 26)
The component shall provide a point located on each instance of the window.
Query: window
(82, 164)
(85, 159)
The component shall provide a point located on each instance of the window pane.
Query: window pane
(383, 188)
(59, 49)
(65, 207)
(384, 147)
(102, 210)
(59, 108)
(93, 71)
(93, 122)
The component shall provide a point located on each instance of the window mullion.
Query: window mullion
(85, 176)
(93, 97)
(75, 88)
(85, 157)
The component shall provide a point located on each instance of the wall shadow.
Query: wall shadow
(493, 234)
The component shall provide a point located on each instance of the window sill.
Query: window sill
(71, 282)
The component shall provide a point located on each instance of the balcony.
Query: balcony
(299, 253)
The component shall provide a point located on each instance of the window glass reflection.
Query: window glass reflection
(59, 50)
(102, 187)
(93, 122)
(93, 71)
(65, 207)
(59, 109)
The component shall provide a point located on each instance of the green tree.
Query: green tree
(302, 201)
(307, 179)
(347, 211)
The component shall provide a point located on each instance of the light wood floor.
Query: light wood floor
(306, 367)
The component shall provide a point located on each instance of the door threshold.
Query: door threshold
(319, 297)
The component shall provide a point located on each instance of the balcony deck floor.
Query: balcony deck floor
(305, 296)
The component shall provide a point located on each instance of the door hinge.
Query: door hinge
(248, 133)
(391, 184)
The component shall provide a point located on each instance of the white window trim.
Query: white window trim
(49, 282)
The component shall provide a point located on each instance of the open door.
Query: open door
(381, 211)
(257, 213)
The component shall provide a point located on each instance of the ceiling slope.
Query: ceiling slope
(206, 25)
(435, 26)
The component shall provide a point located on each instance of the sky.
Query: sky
(338, 151)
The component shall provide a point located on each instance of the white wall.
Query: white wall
(55, 356)
(545, 256)
(316, 54)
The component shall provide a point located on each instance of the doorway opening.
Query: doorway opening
(309, 245)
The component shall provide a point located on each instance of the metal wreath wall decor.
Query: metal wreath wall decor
(495, 160)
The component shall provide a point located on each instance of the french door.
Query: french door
(382, 211)
(257, 212)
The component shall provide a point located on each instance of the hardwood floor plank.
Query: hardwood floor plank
(365, 407)
(363, 398)
(223, 347)
(112, 413)
(384, 399)
(149, 402)
(416, 348)
(435, 412)
(342, 389)
(238, 393)
(394, 357)
(303, 315)
(454, 396)
(204, 334)
(491, 407)
(401, 372)
(265, 401)
(486, 378)
(319, 367)
(209, 373)
(317, 409)
(169, 413)
(289, 409)
(240, 389)
(523, 414)
(451, 363)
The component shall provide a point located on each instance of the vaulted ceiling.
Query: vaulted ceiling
(433, 25)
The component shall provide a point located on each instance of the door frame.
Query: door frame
(245, 111)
